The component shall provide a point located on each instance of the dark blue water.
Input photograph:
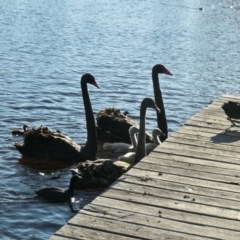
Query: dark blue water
(46, 46)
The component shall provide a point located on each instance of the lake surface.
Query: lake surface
(46, 46)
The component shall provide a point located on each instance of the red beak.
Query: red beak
(95, 84)
(166, 71)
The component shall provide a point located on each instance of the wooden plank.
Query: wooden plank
(189, 172)
(55, 237)
(193, 140)
(212, 135)
(102, 205)
(181, 196)
(85, 233)
(215, 120)
(213, 126)
(153, 159)
(144, 220)
(219, 152)
(131, 228)
(184, 179)
(209, 131)
(187, 188)
(184, 206)
(171, 154)
(198, 152)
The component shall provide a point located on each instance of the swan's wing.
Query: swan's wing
(43, 143)
(103, 169)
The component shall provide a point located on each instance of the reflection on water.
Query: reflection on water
(47, 46)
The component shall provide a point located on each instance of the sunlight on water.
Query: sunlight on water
(47, 46)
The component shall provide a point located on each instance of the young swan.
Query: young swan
(156, 134)
(149, 147)
(121, 147)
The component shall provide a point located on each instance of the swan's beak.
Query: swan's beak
(166, 71)
(95, 84)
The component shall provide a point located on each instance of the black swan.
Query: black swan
(48, 145)
(232, 110)
(59, 195)
(102, 172)
(113, 126)
(161, 116)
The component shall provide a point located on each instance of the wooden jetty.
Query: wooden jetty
(188, 188)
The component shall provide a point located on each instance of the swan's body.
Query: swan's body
(121, 147)
(232, 110)
(54, 194)
(112, 125)
(45, 144)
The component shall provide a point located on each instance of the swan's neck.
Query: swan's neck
(91, 144)
(161, 117)
(156, 139)
(133, 136)
(141, 151)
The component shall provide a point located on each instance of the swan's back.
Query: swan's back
(116, 124)
(113, 126)
(102, 170)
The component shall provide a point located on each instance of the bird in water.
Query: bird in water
(53, 145)
(113, 126)
(102, 172)
(232, 110)
(59, 195)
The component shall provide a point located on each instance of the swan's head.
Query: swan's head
(149, 103)
(157, 132)
(89, 78)
(159, 68)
